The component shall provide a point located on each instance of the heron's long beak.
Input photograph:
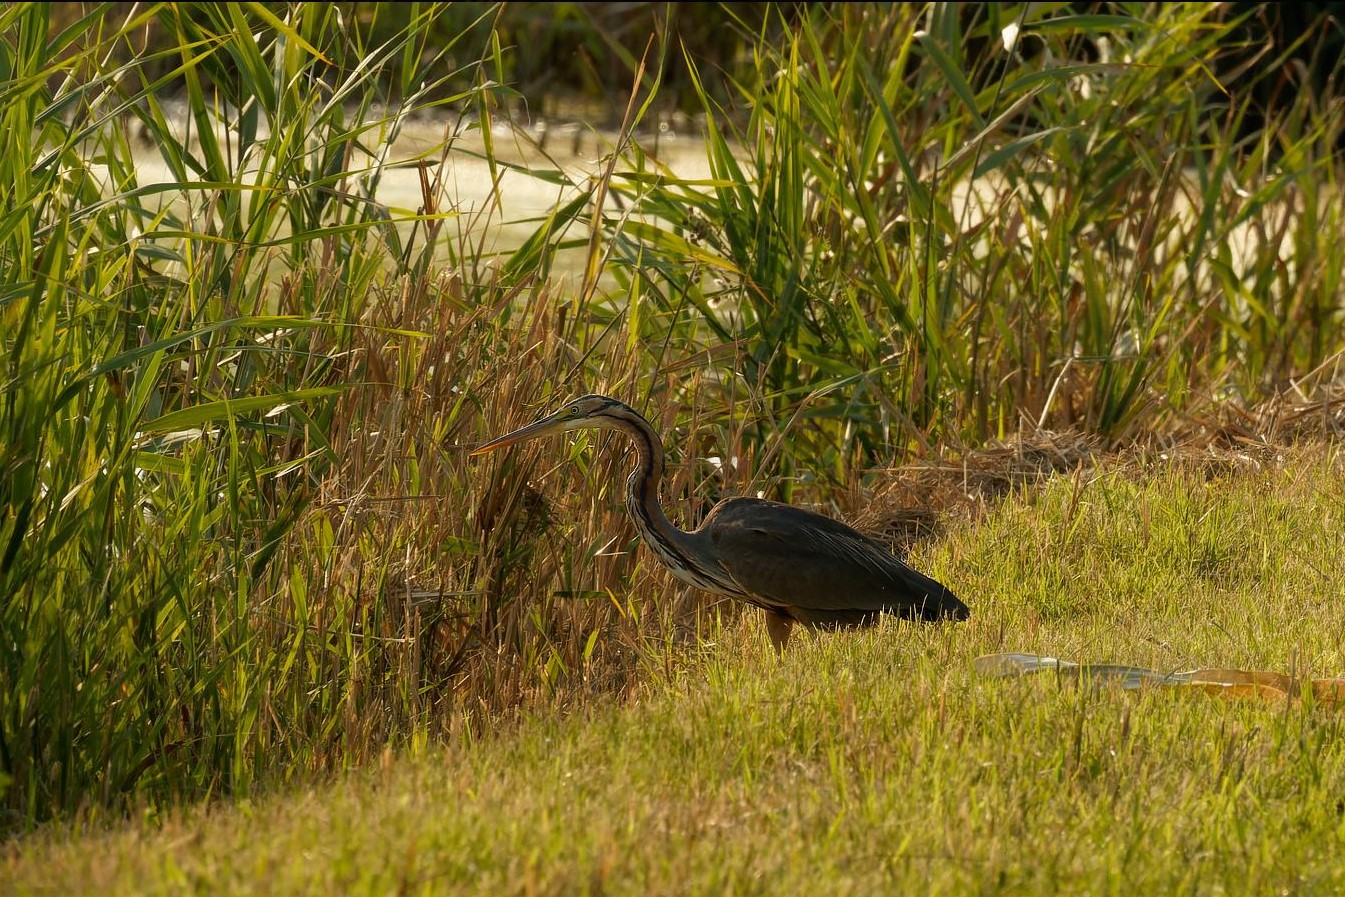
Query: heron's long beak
(543, 427)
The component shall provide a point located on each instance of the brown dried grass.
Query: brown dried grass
(914, 502)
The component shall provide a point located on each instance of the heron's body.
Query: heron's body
(797, 565)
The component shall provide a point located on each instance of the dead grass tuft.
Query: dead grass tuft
(915, 502)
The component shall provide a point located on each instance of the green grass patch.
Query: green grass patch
(873, 762)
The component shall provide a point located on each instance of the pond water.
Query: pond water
(497, 217)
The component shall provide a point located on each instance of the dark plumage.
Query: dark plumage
(797, 565)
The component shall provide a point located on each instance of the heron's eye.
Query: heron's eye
(574, 411)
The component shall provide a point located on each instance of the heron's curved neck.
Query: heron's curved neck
(679, 551)
(642, 485)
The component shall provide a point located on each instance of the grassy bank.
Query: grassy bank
(875, 762)
(240, 542)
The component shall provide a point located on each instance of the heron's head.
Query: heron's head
(592, 411)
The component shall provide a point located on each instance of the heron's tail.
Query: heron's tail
(944, 605)
(939, 601)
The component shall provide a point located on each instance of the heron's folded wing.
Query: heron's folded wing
(823, 568)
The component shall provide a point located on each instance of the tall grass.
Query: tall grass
(174, 353)
(947, 224)
(239, 539)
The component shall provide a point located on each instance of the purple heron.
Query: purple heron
(796, 565)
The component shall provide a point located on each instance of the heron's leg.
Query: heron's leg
(777, 627)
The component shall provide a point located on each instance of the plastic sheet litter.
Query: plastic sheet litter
(1263, 684)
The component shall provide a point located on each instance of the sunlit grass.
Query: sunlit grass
(874, 762)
